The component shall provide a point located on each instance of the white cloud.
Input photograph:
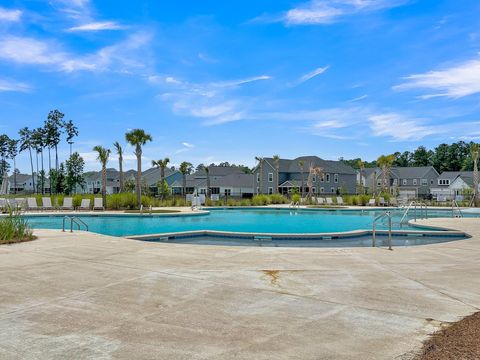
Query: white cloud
(188, 145)
(400, 127)
(318, 12)
(14, 86)
(8, 15)
(362, 97)
(454, 82)
(97, 26)
(118, 57)
(312, 74)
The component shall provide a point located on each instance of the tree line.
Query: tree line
(39, 143)
(444, 157)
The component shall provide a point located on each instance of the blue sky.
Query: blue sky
(228, 80)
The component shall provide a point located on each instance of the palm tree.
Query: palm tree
(12, 154)
(313, 171)
(119, 151)
(207, 172)
(385, 162)
(72, 132)
(475, 153)
(138, 138)
(56, 125)
(26, 144)
(260, 169)
(185, 168)
(38, 137)
(162, 164)
(301, 164)
(361, 167)
(276, 162)
(103, 155)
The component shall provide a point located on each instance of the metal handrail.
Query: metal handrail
(73, 220)
(455, 206)
(374, 231)
(423, 207)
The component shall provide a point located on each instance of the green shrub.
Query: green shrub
(296, 198)
(14, 228)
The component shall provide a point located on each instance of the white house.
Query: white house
(452, 184)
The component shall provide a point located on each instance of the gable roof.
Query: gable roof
(292, 166)
(466, 176)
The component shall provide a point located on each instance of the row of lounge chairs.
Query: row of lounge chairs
(328, 201)
(31, 204)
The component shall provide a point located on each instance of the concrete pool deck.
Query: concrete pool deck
(89, 296)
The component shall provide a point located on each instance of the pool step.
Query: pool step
(262, 238)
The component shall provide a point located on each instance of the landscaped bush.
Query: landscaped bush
(14, 228)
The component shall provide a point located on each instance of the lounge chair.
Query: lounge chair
(98, 204)
(47, 203)
(329, 201)
(3, 204)
(67, 204)
(85, 205)
(371, 202)
(381, 201)
(393, 202)
(320, 201)
(339, 200)
(20, 203)
(32, 204)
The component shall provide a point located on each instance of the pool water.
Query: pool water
(237, 220)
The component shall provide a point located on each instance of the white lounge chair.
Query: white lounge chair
(381, 201)
(85, 205)
(32, 204)
(47, 203)
(371, 202)
(3, 204)
(329, 201)
(20, 203)
(320, 201)
(67, 204)
(339, 200)
(98, 204)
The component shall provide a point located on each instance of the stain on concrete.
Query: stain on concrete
(273, 276)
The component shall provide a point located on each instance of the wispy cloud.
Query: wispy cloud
(321, 12)
(10, 15)
(97, 26)
(454, 82)
(188, 145)
(312, 74)
(14, 86)
(362, 97)
(30, 51)
(401, 128)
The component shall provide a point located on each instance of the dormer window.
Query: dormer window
(443, 181)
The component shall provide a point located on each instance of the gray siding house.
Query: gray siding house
(453, 185)
(408, 182)
(338, 177)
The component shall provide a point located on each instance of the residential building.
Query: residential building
(408, 182)
(224, 181)
(337, 178)
(453, 184)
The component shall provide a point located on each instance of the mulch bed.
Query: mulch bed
(14, 241)
(459, 341)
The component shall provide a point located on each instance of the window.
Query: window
(270, 190)
(379, 182)
(258, 190)
(322, 190)
(424, 182)
(314, 190)
(228, 192)
(443, 181)
(203, 191)
(215, 190)
(328, 178)
(395, 182)
(404, 182)
(431, 181)
(258, 177)
(270, 177)
(314, 178)
(414, 181)
(322, 178)
(335, 178)
(332, 190)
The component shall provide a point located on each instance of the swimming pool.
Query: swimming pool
(245, 220)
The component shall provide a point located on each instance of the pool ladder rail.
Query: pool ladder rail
(456, 211)
(74, 220)
(388, 215)
(415, 204)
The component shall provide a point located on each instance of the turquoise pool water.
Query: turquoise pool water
(236, 220)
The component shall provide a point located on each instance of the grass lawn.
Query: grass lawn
(153, 211)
